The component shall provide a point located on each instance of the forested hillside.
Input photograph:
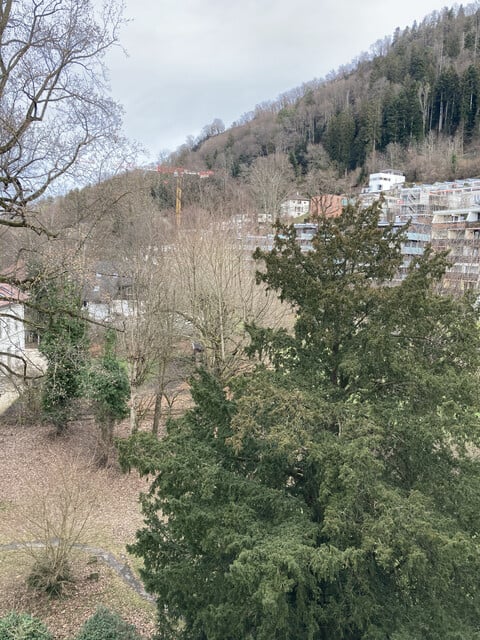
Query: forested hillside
(412, 102)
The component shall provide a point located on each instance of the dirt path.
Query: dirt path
(122, 569)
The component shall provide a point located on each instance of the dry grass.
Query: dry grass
(30, 456)
(95, 584)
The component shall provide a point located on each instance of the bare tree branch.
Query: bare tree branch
(53, 106)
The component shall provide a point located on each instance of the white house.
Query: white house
(295, 206)
(12, 327)
(108, 294)
(384, 181)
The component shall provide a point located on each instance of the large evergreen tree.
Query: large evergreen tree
(334, 494)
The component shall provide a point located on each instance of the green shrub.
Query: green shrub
(21, 626)
(107, 625)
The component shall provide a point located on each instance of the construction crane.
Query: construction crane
(179, 173)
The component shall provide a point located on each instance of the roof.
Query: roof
(296, 196)
(107, 281)
(11, 295)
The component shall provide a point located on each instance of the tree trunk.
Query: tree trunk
(106, 441)
(133, 412)
(157, 412)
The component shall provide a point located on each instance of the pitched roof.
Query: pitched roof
(11, 295)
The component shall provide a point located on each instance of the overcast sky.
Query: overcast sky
(191, 61)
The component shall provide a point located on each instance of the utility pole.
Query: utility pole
(178, 198)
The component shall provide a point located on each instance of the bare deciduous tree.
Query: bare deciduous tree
(270, 179)
(54, 521)
(55, 115)
(217, 295)
(57, 122)
(151, 333)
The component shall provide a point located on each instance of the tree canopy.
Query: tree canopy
(332, 494)
(53, 97)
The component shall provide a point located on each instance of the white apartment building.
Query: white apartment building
(384, 181)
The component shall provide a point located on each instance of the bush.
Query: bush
(28, 408)
(57, 516)
(21, 626)
(50, 572)
(107, 625)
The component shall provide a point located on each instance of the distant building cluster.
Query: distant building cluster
(445, 215)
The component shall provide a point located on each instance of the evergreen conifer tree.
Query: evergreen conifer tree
(333, 494)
